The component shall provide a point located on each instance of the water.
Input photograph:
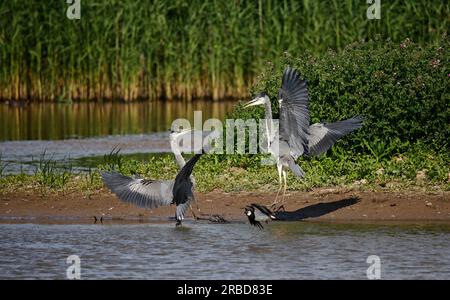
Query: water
(297, 250)
(70, 132)
(80, 154)
(50, 121)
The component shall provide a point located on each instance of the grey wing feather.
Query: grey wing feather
(181, 210)
(140, 192)
(295, 168)
(186, 171)
(323, 135)
(183, 184)
(294, 112)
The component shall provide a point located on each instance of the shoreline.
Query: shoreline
(319, 205)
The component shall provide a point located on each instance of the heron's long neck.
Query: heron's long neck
(178, 157)
(269, 122)
(180, 160)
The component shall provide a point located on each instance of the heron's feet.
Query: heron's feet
(276, 207)
(280, 208)
(178, 223)
(195, 216)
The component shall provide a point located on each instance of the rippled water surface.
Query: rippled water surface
(228, 251)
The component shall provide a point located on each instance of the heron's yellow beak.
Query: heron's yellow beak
(256, 101)
(177, 133)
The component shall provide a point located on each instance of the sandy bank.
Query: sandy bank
(317, 205)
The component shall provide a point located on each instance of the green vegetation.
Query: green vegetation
(416, 168)
(402, 89)
(168, 49)
(49, 174)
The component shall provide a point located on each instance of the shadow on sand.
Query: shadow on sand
(315, 210)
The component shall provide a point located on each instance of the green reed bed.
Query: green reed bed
(131, 49)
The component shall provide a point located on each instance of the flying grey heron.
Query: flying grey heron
(150, 193)
(296, 136)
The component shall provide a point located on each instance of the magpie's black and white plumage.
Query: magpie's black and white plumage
(258, 213)
(155, 193)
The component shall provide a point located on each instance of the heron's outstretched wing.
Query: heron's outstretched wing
(323, 135)
(286, 158)
(181, 210)
(183, 184)
(295, 168)
(186, 171)
(294, 112)
(141, 192)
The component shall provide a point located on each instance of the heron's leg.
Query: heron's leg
(193, 213)
(284, 191)
(196, 204)
(194, 199)
(280, 169)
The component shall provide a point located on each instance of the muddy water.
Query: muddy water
(229, 251)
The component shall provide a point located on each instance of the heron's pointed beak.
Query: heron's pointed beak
(176, 134)
(185, 131)
(252, 103)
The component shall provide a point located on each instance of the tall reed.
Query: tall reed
(132, 49)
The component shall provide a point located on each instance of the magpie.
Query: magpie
(258, 213)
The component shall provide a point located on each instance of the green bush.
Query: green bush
(403, 91)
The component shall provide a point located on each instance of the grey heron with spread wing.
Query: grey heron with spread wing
(149, 193)
(296, 136)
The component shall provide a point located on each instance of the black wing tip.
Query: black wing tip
(359, 118)
(186, 171)
(357, 121)
(291, 73)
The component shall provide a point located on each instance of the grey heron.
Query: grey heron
(150, 193)
(257, 213)
(296, 136)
